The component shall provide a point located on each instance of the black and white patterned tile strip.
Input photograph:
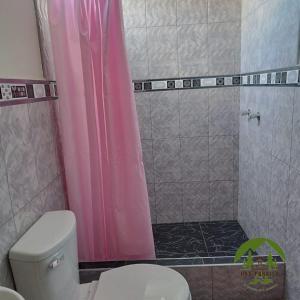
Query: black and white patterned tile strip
(278, 77)
(17, 91)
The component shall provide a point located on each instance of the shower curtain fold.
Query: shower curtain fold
(99, 130)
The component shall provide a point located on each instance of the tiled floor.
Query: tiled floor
(208, 239)
(184, 244)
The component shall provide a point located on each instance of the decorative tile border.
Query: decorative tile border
(278, 77)
(18, 91)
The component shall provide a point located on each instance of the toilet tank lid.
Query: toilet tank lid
(45, 237)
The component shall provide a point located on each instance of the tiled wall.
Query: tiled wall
(30, 176)
(226, 283)
(270, 34)
(189, 138)
(269, 192)
(182, 38)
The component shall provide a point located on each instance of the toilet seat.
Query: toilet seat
(142, 282)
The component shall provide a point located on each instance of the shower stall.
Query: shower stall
(184, 58)
(217, 94)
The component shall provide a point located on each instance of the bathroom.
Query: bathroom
(169, 130)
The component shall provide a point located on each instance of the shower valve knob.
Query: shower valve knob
(255, 116)
(246, 113)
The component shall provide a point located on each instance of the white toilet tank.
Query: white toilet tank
(44, 261)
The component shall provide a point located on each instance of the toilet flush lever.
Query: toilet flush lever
(56, 262)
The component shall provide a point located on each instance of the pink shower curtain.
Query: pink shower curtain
(99, 130)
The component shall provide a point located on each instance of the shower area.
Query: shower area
(189, 132)
(216, 87)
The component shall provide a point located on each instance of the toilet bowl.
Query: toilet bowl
(8, 294)
(45, 267)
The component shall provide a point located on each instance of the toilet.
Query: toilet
(45, 267)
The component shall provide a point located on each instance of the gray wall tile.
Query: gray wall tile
(42, 121)
(22, 175)
(15, 128)
(262, 191)
(279, 22)
(221, 103)
(282, 123)
(228, 284)
(293, 228)
(167, 160)
(136, 44)
(236, 112)
(192, 50)
(191, 12)
(168, 202)
(194, 159)
(143, 108)
(43, 139)
(295, 153)
(223, 47)
(193, 111)
(249, 6)
(165, 114)
(195, 199)
(53, 196)
(279, 202)
(5, 201)
(161, 12)
(46, 163)
(235, 199)
(292, 290)
(221, 200)
(19, 155)
(147, 149)
(193, 276)
(224, 10)
(293, 240)
(235, 154)
(221, 158)
(152, 202)
(28, 215)
(49, 199)
(134, 12)
(162, 51)
(285, 30)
